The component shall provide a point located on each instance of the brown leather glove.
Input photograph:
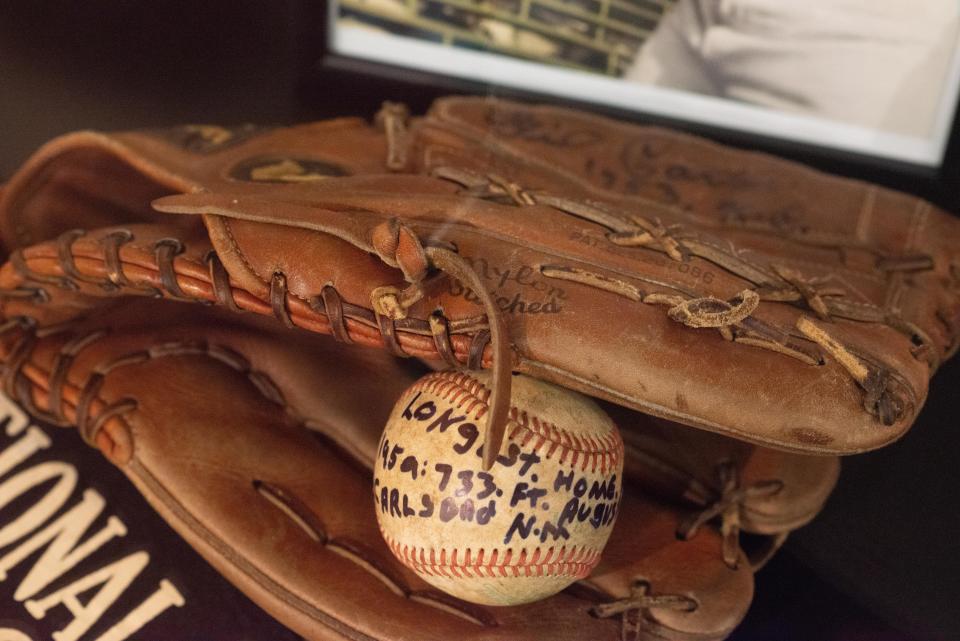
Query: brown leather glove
(648, 268)
(652, 269)
(256, 443)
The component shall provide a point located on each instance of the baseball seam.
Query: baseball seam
(594, 452)
(456, 563)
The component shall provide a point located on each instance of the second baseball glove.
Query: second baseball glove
(255, 442)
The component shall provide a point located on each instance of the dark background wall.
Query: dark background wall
(882, 561)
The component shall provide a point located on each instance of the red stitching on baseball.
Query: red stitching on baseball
(457, 387)
(573, 562)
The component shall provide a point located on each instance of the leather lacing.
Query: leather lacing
(166, 250)
(24, 330)
(17, 386)
(89, 427)
(733, 319)
(635, 610)
(389, 315)
(20, 266)
(875, 381)
(20, 387)
(328, 302)
(390, 309)
(399, 246)
(727, 506)
(424, 267)
(31, 294)
(68, 265)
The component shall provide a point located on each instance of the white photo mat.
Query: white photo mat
(500, 70)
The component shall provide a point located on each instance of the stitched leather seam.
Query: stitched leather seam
(457, 563)
(425, 350)
(867, 210)
(170, 502)
(604, 452)
(238, 363)
(235, 246)
(917, 223)
(301, 515)
(412, 327)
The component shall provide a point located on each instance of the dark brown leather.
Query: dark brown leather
(712, 287)
(255, 443)
(645, 267)
(757, 490)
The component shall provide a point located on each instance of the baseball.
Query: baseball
(532, 525)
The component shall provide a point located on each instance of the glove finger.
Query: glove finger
(91, 179)
(775, 491)
(183, 404)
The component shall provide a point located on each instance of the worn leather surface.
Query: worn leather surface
(649, 224)
(683, 465)
(759, 491)
(255, 443)
(707, 286)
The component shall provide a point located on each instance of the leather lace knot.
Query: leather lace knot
(634, 609)
(516, 193)
(424, 267)
(652, 233)
(728, 506)
(707, 311)
(398, 246)
(799, 287)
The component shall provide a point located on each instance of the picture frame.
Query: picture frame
(466, 41)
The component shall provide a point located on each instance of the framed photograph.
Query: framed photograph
(877, 78)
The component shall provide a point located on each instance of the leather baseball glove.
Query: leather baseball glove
(256, 442)
(648, 268)
(656, 271)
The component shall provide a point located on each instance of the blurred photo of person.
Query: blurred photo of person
(880, 64)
